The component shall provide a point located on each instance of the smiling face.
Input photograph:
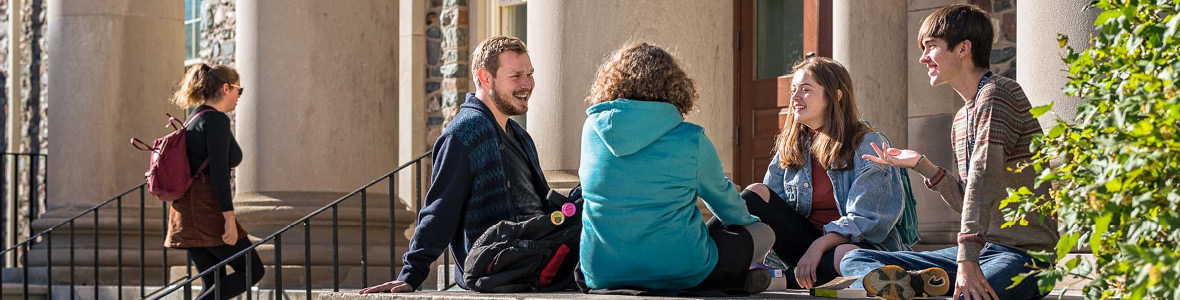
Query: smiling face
(942, 62)
(512, 84)
(807, 100)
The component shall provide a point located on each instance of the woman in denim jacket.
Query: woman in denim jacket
(826, 199)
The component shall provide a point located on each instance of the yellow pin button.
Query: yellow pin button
(557, 218)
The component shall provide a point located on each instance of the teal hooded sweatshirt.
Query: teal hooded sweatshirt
(642, 169)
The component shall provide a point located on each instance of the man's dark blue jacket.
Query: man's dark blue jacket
(469, 190)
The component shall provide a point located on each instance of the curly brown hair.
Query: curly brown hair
(643, 72)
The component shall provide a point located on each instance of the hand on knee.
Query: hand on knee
(761, 190)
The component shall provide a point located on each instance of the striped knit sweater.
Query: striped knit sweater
(1003, 130)
(469, 191)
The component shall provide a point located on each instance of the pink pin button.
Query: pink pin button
(569, 209)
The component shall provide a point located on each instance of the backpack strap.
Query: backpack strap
(190, 120)
(138, 144)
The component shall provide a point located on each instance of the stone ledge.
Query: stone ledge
(452, 295)
(86, 293)
(16, 291)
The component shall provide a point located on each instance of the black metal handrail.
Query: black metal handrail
(305, 222)
(25, 246)
(11, 225)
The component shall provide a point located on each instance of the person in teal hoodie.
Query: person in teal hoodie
(642, 169)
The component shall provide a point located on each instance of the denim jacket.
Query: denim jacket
(868, 196)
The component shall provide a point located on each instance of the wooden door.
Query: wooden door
(770, 36)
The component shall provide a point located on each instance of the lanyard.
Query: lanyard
(970, 126)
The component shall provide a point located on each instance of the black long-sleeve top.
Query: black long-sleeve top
(209, 137)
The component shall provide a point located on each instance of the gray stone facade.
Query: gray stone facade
(438, 112)
(217, 31)
(1003, 58)
(33, 121)
(450, 62)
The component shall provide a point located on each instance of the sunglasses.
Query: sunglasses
(240, 89)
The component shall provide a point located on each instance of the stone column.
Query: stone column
(1040, 70)
(319, 121)
(412, 113)
(869, 38)
(1040, 67)
(568, 40)
(115, 64)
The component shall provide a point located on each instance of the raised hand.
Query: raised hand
(902, 158)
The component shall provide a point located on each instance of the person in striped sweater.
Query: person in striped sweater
(991, 137)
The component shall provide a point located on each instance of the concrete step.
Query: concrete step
(466, 295)
(1073, 282)
(108, 292)
(16, 291)
(84, 275)
(322, 277)
(562, 181)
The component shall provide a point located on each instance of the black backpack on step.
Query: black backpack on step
(537, 255)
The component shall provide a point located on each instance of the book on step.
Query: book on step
(838, 288)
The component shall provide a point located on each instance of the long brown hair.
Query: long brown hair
(202, 83)
(842, 130)
(643, 72)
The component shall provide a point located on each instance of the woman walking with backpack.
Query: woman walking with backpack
(202, 221)
(820, 197)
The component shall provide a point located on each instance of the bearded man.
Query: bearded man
(485, 166)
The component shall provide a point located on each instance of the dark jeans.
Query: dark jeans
(231, 285)
(999, 265)
(735, 250)
(794, 235)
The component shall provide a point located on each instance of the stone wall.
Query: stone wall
(1003, 58)
(33, 122)
(447, 69)
(217, 31)
(454, 69)
(436, 108)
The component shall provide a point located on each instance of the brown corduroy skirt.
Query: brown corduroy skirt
(196, 220)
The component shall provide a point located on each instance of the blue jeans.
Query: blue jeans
(999, 265)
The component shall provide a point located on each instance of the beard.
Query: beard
(504, 102)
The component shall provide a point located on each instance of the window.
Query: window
(780, 37)
(508, 18)
(192, 31)
(513, 17)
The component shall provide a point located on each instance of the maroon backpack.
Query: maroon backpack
(169, 175)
